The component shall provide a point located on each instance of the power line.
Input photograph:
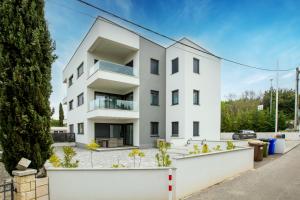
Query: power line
(176, 41)
(206, 52)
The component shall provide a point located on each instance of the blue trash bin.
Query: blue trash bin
(272, 142)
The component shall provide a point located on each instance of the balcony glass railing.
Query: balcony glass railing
(112, 67)
(103, 103)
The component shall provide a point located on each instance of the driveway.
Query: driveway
(279, 179)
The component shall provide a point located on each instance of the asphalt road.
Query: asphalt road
(276, 180)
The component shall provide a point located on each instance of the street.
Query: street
(279, 179)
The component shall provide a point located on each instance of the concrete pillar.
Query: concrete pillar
(28, 187)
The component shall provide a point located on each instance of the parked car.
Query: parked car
(244, 134)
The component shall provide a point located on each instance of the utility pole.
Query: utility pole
(296, 99)
(276, 113)
(271, 97)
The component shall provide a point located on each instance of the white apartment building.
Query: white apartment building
(126, 90)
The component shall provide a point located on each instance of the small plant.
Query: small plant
(196, 149)
(55, 160)
(217, 148)
(69, 153)
(93, 146)
(118, 165)
(136, 153)
(162, 157)
(230, 145)
(205, 149)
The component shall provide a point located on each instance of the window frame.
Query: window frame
(156, 70)
(80, 66)
(71, 103)
(70, 81)
(78, 128)
(81, 94)
(173, 102)
(172, 68)
(152, 126)
(197, 71)
(198, 129)
(172, 129)
(198, 97)
(152, 92)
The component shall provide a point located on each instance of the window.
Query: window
(195, 128)
(154, 98)
(196, 97)
(80, 99)
(80, 128)
(174, 65)
(154, 128)
(196, 66)
(154, 64)
(80, 70)
(71, 128)
(71, 105)
(175, 129)
(175, 98)
(71, 80)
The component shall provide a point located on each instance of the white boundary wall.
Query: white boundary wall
(108, 184)
(288, 135)
(197, 172)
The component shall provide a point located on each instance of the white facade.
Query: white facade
(104, 52)
(207, 82)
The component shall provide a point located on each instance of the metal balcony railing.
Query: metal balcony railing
(103, 103)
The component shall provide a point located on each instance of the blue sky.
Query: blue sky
(253, 32)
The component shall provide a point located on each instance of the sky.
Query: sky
(257, 33)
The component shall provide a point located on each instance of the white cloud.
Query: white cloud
(256, 78)
(288, 75)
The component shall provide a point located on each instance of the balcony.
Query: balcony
(111, 67)
(112, 109)
(112, 77)
(102, 103)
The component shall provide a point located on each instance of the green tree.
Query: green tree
(26, 55)
(61, 115)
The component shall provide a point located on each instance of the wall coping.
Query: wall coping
(26, 172)
(108, 169)
(213, 153)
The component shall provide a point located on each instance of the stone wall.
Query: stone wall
(28, 187)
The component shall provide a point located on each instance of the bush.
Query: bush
(69, 153)
(230, 145)
(162, 157)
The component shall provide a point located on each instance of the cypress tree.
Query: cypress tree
(26, 55)
(61, 115)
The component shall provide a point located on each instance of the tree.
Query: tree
(26, 55)
(61, 115)
(52, 111)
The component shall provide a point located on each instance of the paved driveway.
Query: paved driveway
(276, 180)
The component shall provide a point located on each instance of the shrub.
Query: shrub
(196, 150)
(217, 148)
(205, 149)
(162, 157)
(230, 145)
(136, 153)
(69, 153)
(55, 160)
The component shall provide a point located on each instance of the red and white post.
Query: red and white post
(170, 177)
